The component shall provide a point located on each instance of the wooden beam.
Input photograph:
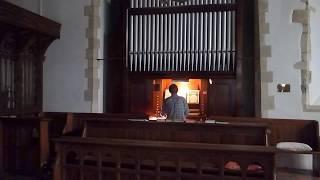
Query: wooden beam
(19, 17)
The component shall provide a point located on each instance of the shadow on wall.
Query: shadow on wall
(314, 86)
(317, 101)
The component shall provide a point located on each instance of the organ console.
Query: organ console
(190, 89)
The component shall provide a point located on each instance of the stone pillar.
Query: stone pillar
(267, 101)
(92, 75)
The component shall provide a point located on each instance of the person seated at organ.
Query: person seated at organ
(175, 106)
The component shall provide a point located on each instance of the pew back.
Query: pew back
(304, 131)
(122, 159)
(20, 145)
(83, 116)
(231, 133)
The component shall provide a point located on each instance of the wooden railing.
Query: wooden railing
(120, 159)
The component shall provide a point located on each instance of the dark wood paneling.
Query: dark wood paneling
(245, 77)
(257, 68)
(21, 145)
(140, 96)
(114, 86)
(12, 15)
(24, 40)
(233, 133)
(221, 98)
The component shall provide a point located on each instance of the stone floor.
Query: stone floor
(282, 174)
(289, 174)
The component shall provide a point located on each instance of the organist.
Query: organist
(175, 107)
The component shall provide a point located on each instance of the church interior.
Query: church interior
(83, 85)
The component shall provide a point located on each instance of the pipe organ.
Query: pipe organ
(157, 41)
(193, 36)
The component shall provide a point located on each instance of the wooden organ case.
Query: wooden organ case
(24, 38)
(154, 42)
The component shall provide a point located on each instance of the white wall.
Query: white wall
(101, 35)
(64, 69)
(31, 5)
(284, 39)
(314, 88)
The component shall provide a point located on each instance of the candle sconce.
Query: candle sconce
(283, 87)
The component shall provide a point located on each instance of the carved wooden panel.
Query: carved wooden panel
(23, 42)
(110, 159)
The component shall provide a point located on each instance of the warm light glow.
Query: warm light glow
(210, 81)
(183, 88)
(190, 90)
(152, 118)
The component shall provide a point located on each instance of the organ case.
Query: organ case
(24, 38)
(191, 40)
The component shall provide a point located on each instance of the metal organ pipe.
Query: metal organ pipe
(153, 43)
(188, 40)
(182, 41)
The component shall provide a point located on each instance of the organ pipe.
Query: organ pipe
(182, 41)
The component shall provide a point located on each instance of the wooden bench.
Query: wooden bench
(123, 159)
(26, 142)
(231, 133)
(288, 130)
(23, 144)
(132, 133)
(71, 124)
(75, 121)
(80, 116)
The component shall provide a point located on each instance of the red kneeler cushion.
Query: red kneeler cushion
(234, 166)
(254, 167)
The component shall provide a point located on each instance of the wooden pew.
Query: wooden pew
(231, 133)
(26, 142)
(23, 144)
(127, 159)
(73, 121)
(292, 130)
(129, 132)
(83, 116)
(72, 124)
